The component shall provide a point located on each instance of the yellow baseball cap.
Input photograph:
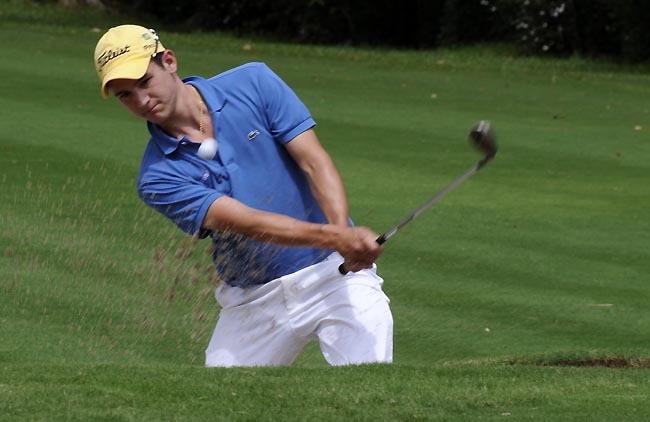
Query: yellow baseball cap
(124, 52)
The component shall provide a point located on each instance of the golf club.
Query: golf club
(482, 137)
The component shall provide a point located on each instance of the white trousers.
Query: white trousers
(270, 324)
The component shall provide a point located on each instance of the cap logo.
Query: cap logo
(109, 55)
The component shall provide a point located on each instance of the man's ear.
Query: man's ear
(169, 61)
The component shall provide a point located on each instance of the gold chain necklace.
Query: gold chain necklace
(200, 102)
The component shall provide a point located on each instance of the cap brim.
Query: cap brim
(134, 68)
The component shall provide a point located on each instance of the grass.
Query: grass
(522, 294)
(468, 392)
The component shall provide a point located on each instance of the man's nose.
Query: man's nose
(142, 97)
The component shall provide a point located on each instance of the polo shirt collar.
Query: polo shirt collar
(215, 101)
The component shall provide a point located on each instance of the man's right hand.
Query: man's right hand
(360, 249)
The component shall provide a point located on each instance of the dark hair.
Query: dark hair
(158, 59)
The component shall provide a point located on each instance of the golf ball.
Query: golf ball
(208, 149)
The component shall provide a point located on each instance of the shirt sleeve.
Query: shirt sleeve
(183, 201)
(288, 116)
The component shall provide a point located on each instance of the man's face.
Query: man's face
(152, 96)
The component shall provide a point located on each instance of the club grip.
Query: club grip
(381, 239)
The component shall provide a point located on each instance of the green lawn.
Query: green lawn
(537, 265)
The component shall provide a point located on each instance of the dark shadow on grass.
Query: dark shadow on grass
(619, 362)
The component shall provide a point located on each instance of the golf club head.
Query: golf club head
(483, 138)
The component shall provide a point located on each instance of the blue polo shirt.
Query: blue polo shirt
(254, 115)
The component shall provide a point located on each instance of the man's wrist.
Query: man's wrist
(331, 235)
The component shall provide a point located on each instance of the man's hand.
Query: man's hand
(360, 248)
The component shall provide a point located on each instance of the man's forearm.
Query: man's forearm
(324, 179)
(228, 214)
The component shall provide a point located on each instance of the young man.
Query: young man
(270, 199)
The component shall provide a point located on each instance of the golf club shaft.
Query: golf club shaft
(384, 237)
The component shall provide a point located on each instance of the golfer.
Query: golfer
(270, 199)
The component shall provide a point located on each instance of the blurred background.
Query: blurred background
(614, 29)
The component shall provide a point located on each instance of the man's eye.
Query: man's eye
(145, 82)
